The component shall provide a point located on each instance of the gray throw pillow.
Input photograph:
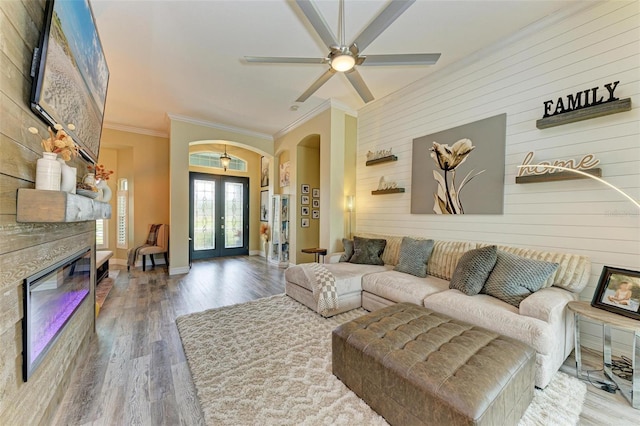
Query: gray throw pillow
(473, 269)
(414, 255)
(348, 250)
(514, 278)
(367, 251)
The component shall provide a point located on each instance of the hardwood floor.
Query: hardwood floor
(135, 371)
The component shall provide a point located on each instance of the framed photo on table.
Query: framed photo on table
(618, 291)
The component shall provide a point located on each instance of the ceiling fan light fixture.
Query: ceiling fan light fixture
(343, 63)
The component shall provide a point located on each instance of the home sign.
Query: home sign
(590, 103)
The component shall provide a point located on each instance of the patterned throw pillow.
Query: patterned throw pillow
(473, 269)
(414, 255)
(367, 251)
(348, 250)
(514, 278)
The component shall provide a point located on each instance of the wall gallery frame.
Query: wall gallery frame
(284, 174)
(315, 214)
(264, 206)
(315, 203)
(618, 291)
(264, 171)
(316, 193)
(304, 188)
(305, 222)
(304, 211)
(304, 200)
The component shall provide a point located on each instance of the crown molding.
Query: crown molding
(329, 103)
(527, 31)
(224, 127)
(138, 130)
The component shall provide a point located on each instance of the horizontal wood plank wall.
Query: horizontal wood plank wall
(26, 248)
(588, 47)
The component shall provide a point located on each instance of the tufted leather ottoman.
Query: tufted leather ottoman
(417, 367)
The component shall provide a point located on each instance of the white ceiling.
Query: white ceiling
(185, 57)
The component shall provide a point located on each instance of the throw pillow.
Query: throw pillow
(348, 250)
(514, 278)
(367, 251)
(473, 269)
(414, 255)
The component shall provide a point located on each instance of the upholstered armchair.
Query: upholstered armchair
(161, 246)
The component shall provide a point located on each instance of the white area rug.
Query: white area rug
(269, 362)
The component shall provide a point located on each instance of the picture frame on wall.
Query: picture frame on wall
(264, 206)
(316, 193)
(304, 188)
(304, 200)
(618, 291)
(315, 203)
(284, 174)
(304, 211)
(264, 171)
(315, 214)
(305, 222)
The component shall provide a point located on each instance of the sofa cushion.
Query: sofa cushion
(573, 270)
(494, 314)
(391, 253)
(473, 269)
(514, 277)
(400, 287)
(445, 257)
(414, 255)
(348, 276)
(367, 251)
(348, 250)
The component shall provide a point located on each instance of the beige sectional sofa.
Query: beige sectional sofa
(542, 320)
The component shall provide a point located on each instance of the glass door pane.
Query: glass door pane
(233, 215)
(204, 215)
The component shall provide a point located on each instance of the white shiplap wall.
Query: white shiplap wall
(566, 53)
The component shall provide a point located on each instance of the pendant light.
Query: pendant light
(225, 159)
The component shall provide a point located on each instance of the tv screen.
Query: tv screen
(71, 74)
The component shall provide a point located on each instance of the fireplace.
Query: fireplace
(51, 297)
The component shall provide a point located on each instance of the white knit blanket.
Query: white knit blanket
(323, 286)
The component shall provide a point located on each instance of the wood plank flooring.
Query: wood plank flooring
(135, 371)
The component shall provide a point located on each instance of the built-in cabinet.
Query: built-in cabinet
(280, 230)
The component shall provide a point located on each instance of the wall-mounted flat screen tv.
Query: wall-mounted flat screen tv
(71, 74)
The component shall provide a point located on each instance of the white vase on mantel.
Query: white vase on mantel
(68, 177)
(48, 172)
(105, 191)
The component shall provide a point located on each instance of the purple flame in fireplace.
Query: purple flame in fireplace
(52, 296)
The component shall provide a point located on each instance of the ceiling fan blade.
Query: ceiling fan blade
(358, 83)
(281, 60)
(318, 22)
(402, 59)
(316, 85)
(381, 22)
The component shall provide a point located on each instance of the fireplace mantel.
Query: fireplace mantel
(35, 205)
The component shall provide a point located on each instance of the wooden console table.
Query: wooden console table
(608, 320)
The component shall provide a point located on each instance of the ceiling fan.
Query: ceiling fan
(344, 58)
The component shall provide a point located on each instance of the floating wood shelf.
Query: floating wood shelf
(387, 191)
(35, 205)
(556, 176)
(382, 160)
(601, 110)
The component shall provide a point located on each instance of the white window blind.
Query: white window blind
(122, 215)
(102, 234)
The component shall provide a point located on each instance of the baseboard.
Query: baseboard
(116, 261)
(256, 253)
(178, 271)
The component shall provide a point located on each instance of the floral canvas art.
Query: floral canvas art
(460, 170)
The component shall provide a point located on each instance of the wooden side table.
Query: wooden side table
(317, 252)
(608, 320)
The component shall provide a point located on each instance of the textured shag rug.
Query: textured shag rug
(269, 362)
